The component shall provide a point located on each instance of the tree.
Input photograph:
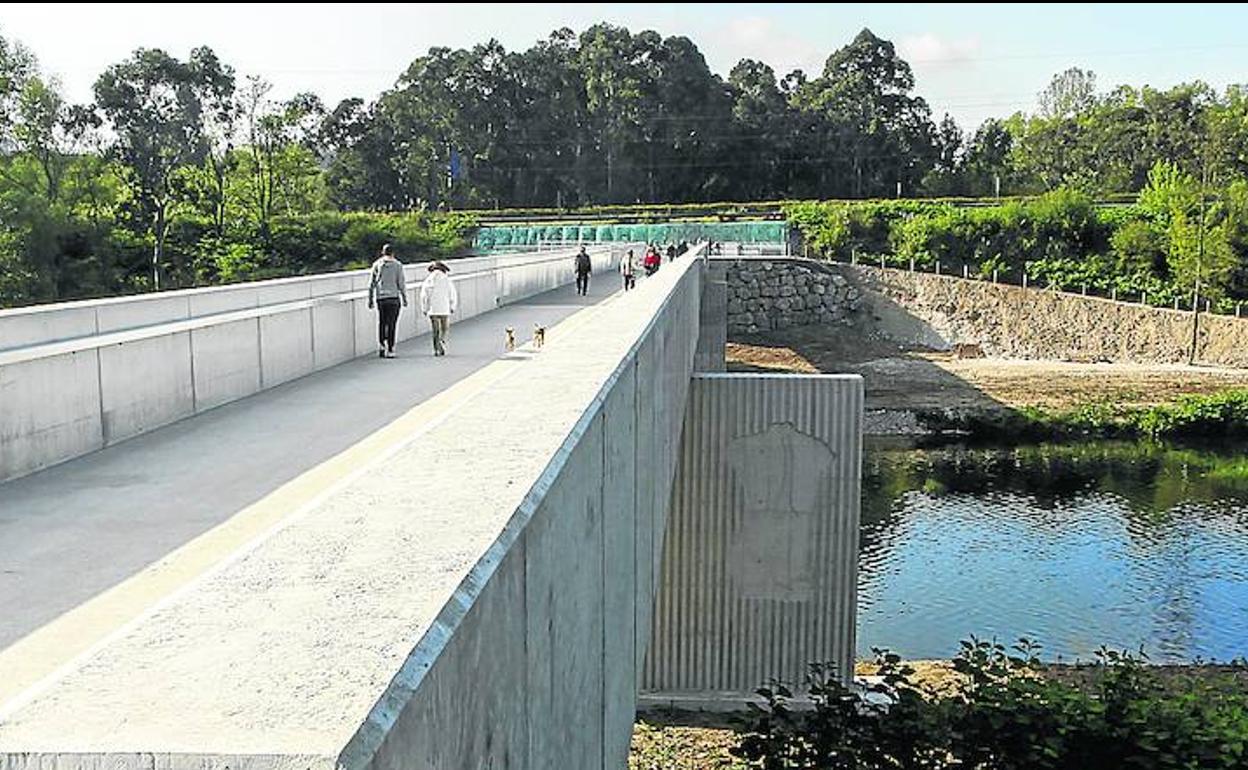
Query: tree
(554, 151)
(17, 66)
(618, 87)
(986, 164)
(1068, 94)
(885, 134)
(275, 166)
(1198, 250)
(156, 106)
(765, 125)
(945, 178)
(47, 172)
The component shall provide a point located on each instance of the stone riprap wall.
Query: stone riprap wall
(771, 294)
(1013, 322)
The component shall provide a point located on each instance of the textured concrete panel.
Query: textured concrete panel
(285, 346)
(619, 512)
(136, 394)
(227, 362)
(49, 409)
(760, 569)
(364, 326)
(145, 311)
(19, 328)
(487, 648)
(563, 578)
(222, 300)
(278, 292)
(646, 368)
(713, 342)
(334, 340)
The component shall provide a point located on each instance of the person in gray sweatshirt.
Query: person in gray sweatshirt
(388, 291)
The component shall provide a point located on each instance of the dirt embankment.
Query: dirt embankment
(910, 377)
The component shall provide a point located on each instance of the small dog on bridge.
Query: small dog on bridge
(511, 339)
(539, 336)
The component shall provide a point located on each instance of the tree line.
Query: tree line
(184, 171)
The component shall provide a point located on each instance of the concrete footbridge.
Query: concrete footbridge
(232, 537)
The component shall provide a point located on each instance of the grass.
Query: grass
(687, 742)
(1222, 415)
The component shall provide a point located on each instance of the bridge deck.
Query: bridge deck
(94, 542)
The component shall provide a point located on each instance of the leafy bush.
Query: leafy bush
(1008, 713)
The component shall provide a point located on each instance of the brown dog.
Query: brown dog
(539, 336)
(511, 339)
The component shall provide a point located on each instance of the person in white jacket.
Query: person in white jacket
(628, 269)
(438, 300)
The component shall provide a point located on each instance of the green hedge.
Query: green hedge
(298, 245)
(1062, 239)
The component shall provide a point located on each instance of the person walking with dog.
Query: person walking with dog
(438, 300)
(628, 269)
(387, 290)
(584, 267)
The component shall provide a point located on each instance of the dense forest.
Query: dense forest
(184, 172)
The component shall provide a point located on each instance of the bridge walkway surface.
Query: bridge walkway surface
(92, 544)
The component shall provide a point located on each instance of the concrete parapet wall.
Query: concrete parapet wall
(478, 596)
(760, 569)
(150, 360)
(1013, 322)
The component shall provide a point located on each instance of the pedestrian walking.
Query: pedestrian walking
(388, 291)
(584, 267)
(628, 269)
(652, 261)
(438, 300)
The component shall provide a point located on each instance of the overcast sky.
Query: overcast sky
(971, 61)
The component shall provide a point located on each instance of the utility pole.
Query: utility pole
(1200, 261)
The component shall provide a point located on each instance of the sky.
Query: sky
(971, 61)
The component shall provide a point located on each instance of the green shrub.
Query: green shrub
(1006, 714)
(1138, 246)
(331, 241)
(1220, 415)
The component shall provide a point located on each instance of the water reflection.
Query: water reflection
(1101, 543)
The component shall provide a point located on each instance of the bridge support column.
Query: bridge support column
(759, 571)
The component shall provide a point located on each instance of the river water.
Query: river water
(1075, 546)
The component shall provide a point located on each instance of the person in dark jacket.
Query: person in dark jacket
(388, 291)
(584, 267)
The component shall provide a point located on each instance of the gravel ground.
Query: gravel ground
(910, 378)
